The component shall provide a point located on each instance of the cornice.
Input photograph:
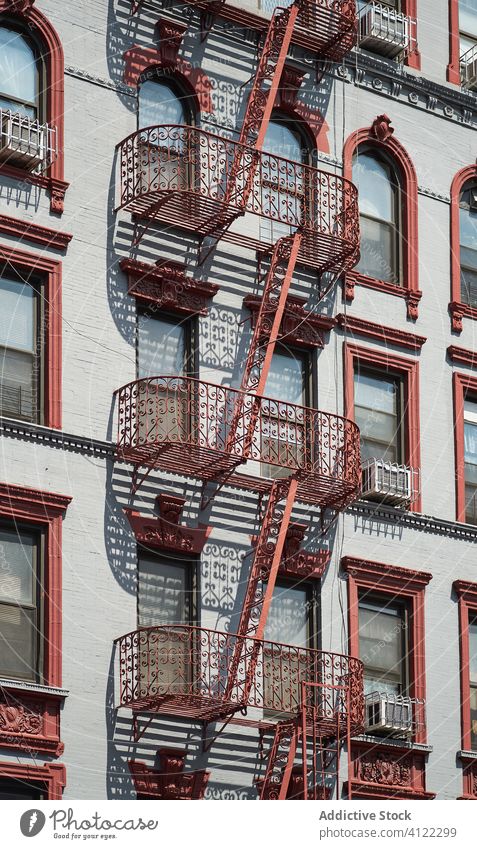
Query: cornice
(35, 233)
(462, 356)
(466, 590)
(56, 438)
(396, 574)
(381, 333)
(402, 518)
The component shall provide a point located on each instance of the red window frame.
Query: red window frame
(405, 584)
(466, 593)
(44, 33)
(50, 271)
(380, 136)
(51, 775)
(461, 383)
(408, 371)
(42, 510)
(457, 309)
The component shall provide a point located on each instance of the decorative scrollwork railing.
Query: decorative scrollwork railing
(197, 428)
(200, 181)
(183, 670)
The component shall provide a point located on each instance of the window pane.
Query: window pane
(473, 652)
(18, 385)
(18, 642)
(376, 414)
(468, 16)
(377, 251)
(281, 141)
(158, 104)
(376, 393)
(18, 73)
(11, 788)
(381, 646)
(288, 617)
(17, 567)
(162, 593)
(376, 191)
(17, 301)
(161, 347)
(286, 379)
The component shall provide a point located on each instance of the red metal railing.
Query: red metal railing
(183, 670)
(326, 26)
(190, 427)
(181, 176)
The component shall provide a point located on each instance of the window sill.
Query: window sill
(31, 687)
(458, 311)
(411, 296)
(393, 743)
(467, 756)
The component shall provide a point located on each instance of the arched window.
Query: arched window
(161, 103)
(378, 192)
(468, 243)
(19, 73)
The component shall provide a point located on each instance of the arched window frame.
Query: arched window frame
(380, 137)
(23, 16)
(457, 309)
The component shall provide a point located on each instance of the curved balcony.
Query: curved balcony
(182, 670)
(198, 429)
(182, 176)
(327, 27)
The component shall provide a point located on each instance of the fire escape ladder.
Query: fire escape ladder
(323, 738)
(257, 600)
(260, 104)
(262, 345)
(280, 760)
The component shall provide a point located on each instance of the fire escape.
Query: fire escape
(198, 181)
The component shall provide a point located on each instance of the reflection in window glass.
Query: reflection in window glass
(19, 351)
(470, 460)
(376, 411)
(468, 245)
(158, 104)
(163, 592)
(18, 74)
(378, 218)
(19, 614)
(382, 647)
(161, 347)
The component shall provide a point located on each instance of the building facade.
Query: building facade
(238, 399)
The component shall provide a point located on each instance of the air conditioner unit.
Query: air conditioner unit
(384, 31)
(387, 712)
(23, 142)
(388, 481)
(468, 69)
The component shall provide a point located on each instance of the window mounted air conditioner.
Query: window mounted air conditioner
(388, 481)
(387, 712)
(468, 69)
(24, 142)
(384, 31)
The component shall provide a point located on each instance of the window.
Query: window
(470, 460)
(166, 597)
(21, 585)
(377, 409)
(383, 645)
(473, 681)
(20, 352)
(379, 216)
(164, 346)
(19, 74)
(289, 622)
(283, 427)
(468, 244)
(282, 189)
(159, 104)
(14, 788)
(467, 25)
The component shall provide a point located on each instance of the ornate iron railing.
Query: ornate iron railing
(191, 427)
(325, 26)
(193, 179)
(183, 670)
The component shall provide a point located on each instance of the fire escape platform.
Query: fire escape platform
(326, 27)
(181, 176)
(197, 429)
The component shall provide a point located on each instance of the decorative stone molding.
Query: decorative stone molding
(287, 101)
(36, 233)
(379, 771)
(381, 128)
(170, 35)
(57, 195)
(30, 723)
(296, 562)
(166, 285)
(298, 326)
(462, 356)
(49, 778)
(470, 779)
(412, 298)
(380, 333)
(165, 532)
(169, 781)
(21, 7)
(138, 60)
